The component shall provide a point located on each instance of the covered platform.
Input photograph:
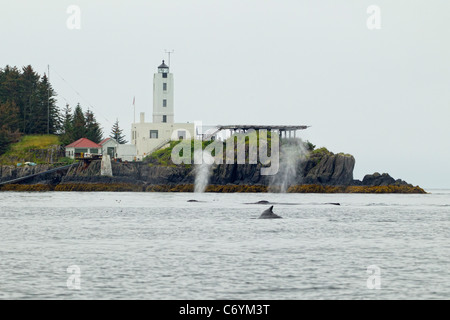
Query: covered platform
(289, 131)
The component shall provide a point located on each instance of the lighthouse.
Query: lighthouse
(163, 111)
(151, 136)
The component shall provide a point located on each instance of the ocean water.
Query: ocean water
(159, 246)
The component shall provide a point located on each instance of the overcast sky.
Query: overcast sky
(381, 95)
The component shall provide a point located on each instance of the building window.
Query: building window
(164, 102)
(81, 150)
(164, 118)
(153, 134)
(164, 86)
(164, 75)
(95, 151)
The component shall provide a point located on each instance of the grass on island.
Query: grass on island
(34, 148)
(36, 142)
(163, 156)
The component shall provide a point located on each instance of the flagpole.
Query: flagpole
(134, 107)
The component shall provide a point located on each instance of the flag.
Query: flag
(133, 101)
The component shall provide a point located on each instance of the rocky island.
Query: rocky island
(320, 171)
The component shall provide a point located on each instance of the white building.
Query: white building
(83, 148)
(125, 152)
(148, 136)
(109, 147)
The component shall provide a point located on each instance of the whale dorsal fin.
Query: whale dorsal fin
(270, 209)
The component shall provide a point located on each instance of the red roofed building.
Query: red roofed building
(82, 147)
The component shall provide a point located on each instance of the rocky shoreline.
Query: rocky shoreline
(127, 187)
(321, 173)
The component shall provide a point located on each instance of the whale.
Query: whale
(268, 214)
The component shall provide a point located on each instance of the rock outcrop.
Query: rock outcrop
(331, 169)
(384, 179)
(8, 173)
(320, 167)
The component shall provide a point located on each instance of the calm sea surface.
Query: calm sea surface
(159, 246)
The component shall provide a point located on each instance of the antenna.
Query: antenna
(168, 53)
(134, 109)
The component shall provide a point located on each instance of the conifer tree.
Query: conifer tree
(66, 136)
(9, 125)
(34, 97)
(116, 133)
(47, 109)
(78, 124)
(28, 101)
(93, 130)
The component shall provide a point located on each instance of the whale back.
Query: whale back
(268, 214)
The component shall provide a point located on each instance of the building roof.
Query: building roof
(84, 143)
(163, 65)
(104, 141)
(259, 127)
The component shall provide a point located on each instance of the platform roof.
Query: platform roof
(258, 127)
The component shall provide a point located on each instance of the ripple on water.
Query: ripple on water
(158, 246)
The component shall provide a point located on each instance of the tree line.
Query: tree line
(28, 106)
(79, 125)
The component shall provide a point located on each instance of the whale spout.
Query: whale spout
(268, 214)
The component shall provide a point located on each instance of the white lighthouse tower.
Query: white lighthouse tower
(150, 136)
(163, 95)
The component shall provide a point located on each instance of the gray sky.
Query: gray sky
(381, 95)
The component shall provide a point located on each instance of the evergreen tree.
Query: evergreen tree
(10, 84)
(10, 90)
(34, 98)
(48, 111)
(28, 101)
(9, 125)
(28, 106)
(9, 116)
(93, 130)
(116, 133)
(66, 136)
(78, 124)
(5, 140)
